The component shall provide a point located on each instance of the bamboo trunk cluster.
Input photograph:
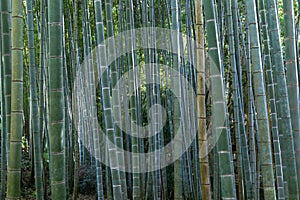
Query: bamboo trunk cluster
(149, 99)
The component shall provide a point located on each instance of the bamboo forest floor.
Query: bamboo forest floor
(86, 185)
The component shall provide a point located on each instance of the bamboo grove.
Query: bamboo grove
(92, 91)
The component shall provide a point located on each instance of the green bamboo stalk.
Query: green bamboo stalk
(15, 153)
(215, 174)
(122, 67)
(253, 125)
(41, 77)
(139, 103)
(91, 77)
(163, 137)
(2, 121)
(116, 72)
(75, 63)
(56, 97)
(252, 151)
(133, 108)
(67, 101)
(250, 159)
(272, 102)
(292, 79)
(191, 75)
(236, 110)
(238, 104)
(219, 105)
(45, 78)
(190, 113)
(258, 175)
(6, 59)
(250, 123)
(115, 99)
(220, 20)
(87, 92)
(87, 78)
(282, 102)
(248, 181)
(178, 168)
(264, 141)
(240, 68)
(78, 39)
(38, 170)
(155, 95)
(150, 189)
(105, 88)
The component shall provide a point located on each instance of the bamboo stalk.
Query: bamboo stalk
(56, 103)
(15, 153)
(7, 65)
(282, 102)
(220, 121)
(34, 105)
(202, 135)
